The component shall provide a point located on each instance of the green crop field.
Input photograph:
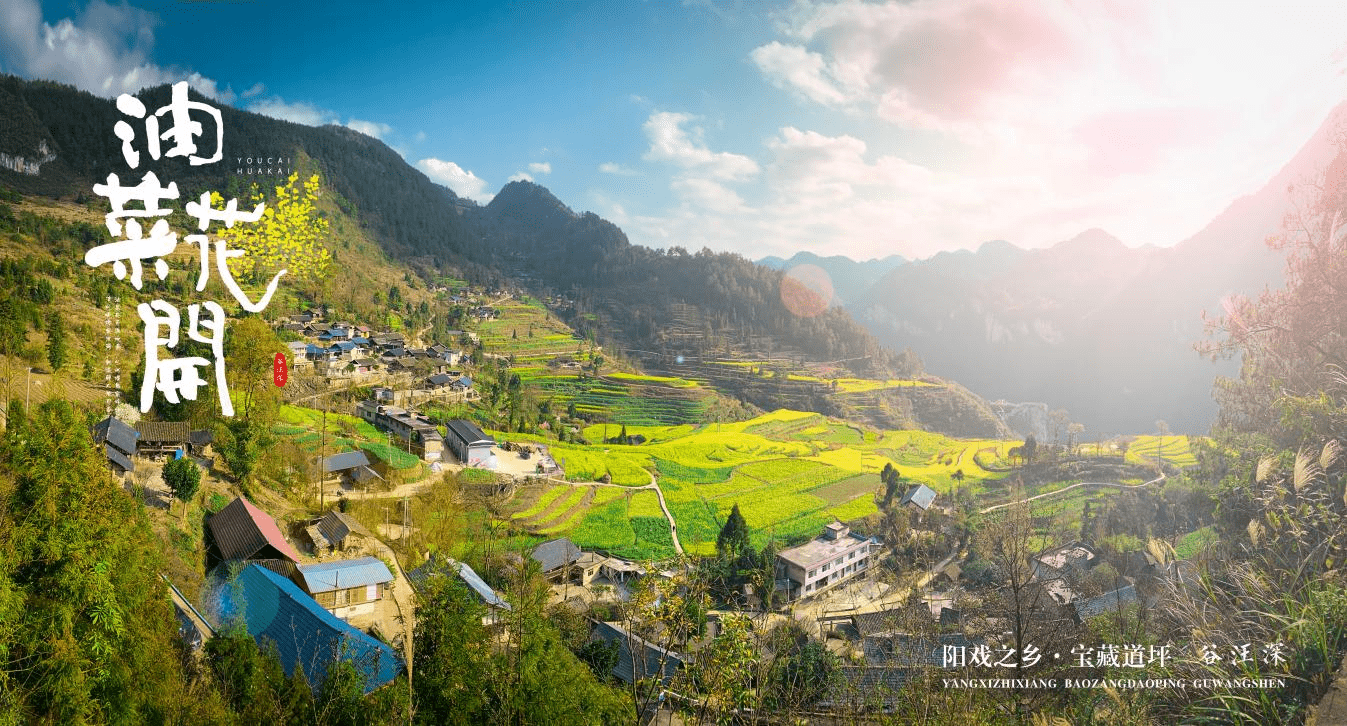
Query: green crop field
(546, 499)
(790, 472)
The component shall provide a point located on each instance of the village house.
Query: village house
(834, 557)
(469, 444)
(637, 659)
(1073, 558)
(440, 567)
(119, 444)
(920, 496)
(557, 558)
(423, 438)
(241, 531)
(353, 466)
(160, 438)
(347, 588)
(336, 532)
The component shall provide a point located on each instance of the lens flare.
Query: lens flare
(806, 290)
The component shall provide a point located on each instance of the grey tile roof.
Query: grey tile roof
(652, 661)
(118, 458)
(336, 527)
(556, 553)
(1108, 602)
(177, 432)
(345, 460)
(117, 433)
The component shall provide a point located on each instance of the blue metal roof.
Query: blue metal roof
(344, 574)
(271, 607)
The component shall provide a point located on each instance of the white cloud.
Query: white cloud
(255, 90)
(520, 176)
(1040, 119)
(609, 167)
(463, 182)
(792, 67)
(300, 112)
(370, 128)
(708, 194)
(420, 136)
(105, 50)
(685, 148)
(540, 167)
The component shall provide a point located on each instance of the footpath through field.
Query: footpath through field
(1115, 485)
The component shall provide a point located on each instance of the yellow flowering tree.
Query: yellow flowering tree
(289, 235)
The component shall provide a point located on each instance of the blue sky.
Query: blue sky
(847, 127)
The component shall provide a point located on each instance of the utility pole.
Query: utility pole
(322, 456)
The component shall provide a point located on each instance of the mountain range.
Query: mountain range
(1089, 325)
(1105, 331)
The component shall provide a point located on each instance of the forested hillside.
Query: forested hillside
(524, 230)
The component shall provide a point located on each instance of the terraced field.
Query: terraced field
(1175, 450)
(789, 472)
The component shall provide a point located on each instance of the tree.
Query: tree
(1293, 340)
(56, 345)
(1030, 448)
(183, 477)
(733, 538)
(889, 475)
(451, 659)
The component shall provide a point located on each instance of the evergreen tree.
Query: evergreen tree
(733, 539)
(56, 344)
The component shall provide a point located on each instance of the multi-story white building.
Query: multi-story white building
(836, 556)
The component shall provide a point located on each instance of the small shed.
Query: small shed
(336, 531)
(919, 495)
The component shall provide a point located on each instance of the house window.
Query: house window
(342, 597)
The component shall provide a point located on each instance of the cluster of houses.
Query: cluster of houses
(464, 439)
(562, 561)
(346, 350)
(312, 612)
(123, 443)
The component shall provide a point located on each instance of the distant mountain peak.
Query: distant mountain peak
(1092, 240)
(528, 199)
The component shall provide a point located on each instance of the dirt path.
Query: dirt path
(1114, 485)
(654, 484)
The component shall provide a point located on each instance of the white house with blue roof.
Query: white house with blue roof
(347, 588)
